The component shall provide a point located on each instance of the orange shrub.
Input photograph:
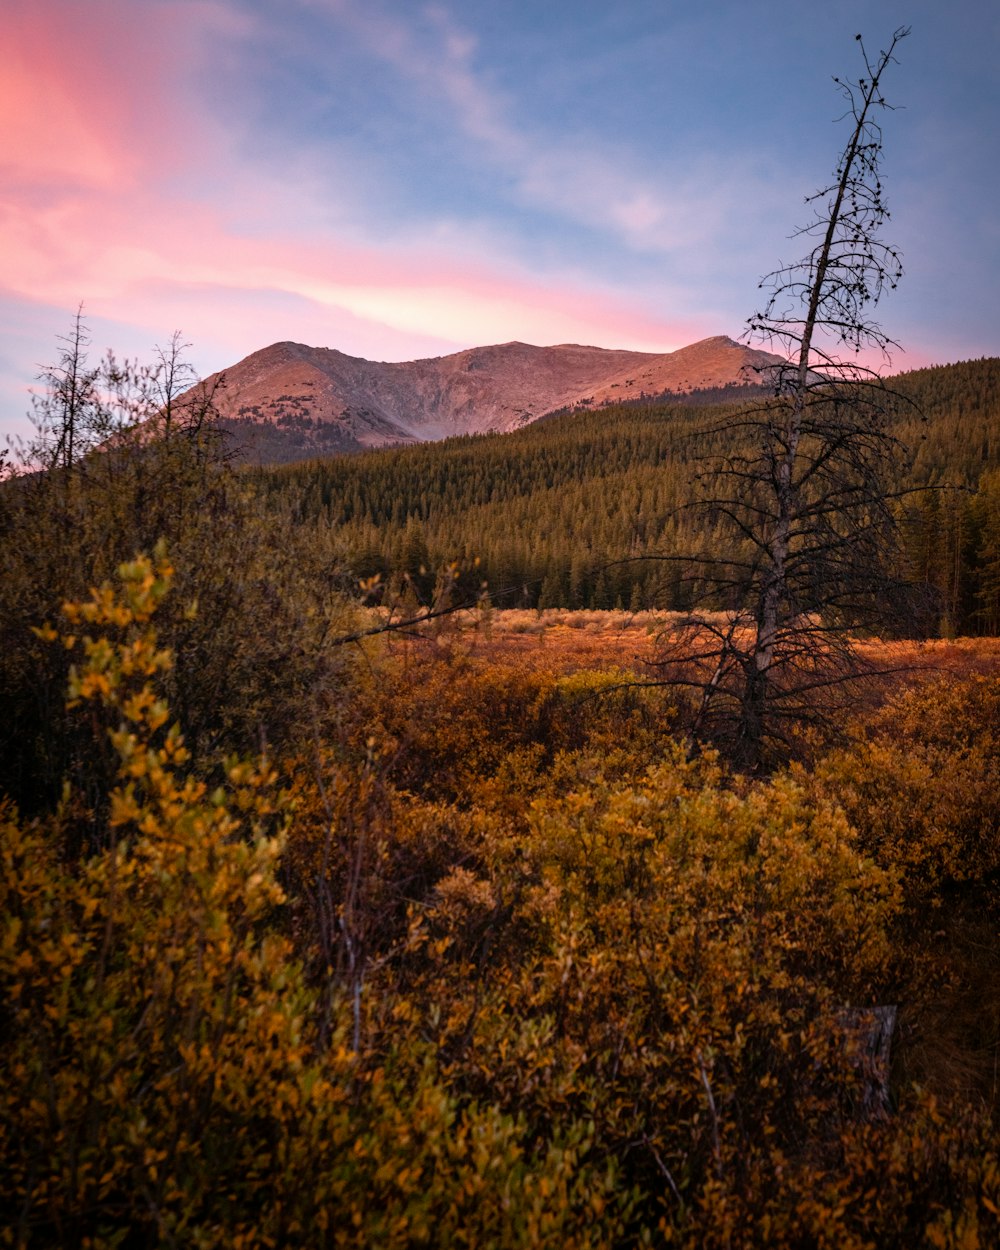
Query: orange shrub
(923, 785)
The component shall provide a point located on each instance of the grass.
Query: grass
(565, 640)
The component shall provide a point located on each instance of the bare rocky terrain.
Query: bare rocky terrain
(288, 401)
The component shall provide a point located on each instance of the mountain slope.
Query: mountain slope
(579, 510)
(289, 401)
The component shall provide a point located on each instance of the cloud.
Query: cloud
(592, 181)
(89, 92)
(123, 187)
(106, 203)
(111, 257)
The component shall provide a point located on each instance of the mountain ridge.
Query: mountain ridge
(289, 400)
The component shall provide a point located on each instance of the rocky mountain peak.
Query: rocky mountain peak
(294, 400)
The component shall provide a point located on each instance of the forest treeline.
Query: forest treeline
(573, 511)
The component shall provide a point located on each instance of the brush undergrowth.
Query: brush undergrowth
(495, 964)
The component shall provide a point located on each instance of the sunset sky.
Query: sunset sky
(399, 179)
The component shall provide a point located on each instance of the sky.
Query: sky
(398, 179)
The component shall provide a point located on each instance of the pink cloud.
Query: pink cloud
(108, 250)
(90, 92)
(103, 127)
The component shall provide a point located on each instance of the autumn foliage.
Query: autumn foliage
(491, 963)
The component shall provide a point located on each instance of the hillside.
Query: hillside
(288, 401)
(557, 512)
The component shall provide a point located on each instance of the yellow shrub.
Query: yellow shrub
(164, 1081)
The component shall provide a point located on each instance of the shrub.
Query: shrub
(922, 785)
(165, 1083)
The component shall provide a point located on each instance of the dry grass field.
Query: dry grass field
(564, 641)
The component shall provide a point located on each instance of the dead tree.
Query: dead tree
(805, 500)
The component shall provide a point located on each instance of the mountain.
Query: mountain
(580, 509)
(289, 401)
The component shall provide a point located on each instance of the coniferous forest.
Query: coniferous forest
(574, 510)
(320, 931)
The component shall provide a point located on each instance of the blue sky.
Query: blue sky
(405, 179)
